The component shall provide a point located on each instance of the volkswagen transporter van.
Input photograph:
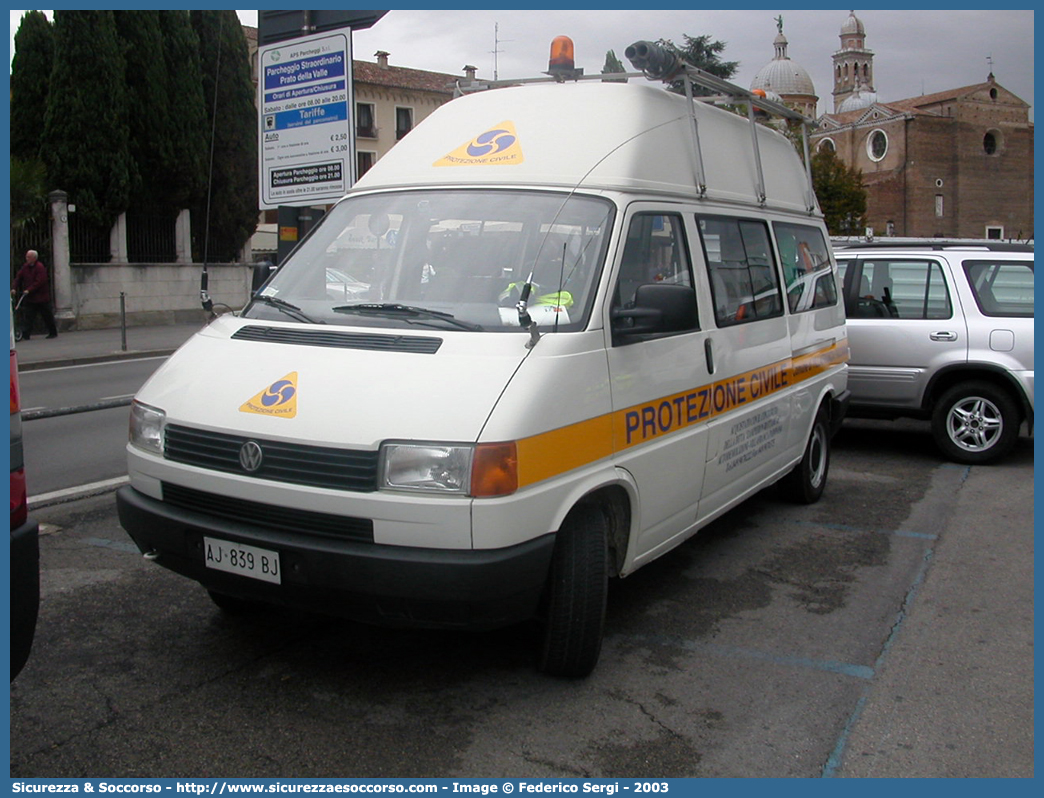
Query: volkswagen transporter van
(595, 317)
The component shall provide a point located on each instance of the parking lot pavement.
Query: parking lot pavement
(954, 689)
(885, 631)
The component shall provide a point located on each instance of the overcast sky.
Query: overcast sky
(915, 52)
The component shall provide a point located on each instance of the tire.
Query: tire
(233, 605)
(577, 593)
(805, 484)
(975, 423)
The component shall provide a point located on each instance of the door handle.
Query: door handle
(943, 335)
(709, 352)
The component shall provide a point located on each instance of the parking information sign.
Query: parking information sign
(306, 112)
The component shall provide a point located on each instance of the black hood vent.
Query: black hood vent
(375, 342)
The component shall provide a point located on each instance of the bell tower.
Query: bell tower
(853, 63)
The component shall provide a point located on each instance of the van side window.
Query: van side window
(805, 260)
(654, 252)
(743, 277)
(897, 289)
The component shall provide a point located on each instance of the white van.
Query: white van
(572, 349)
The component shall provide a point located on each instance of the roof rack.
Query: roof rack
(935, 244)
(656, 62)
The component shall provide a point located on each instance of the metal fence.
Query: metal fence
(151, 238)
(34, 234)
(88, 243)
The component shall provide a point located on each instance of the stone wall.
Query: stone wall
(153, 293)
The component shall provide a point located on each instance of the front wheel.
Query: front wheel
(805, 484)
(975, 423)
(577, 592)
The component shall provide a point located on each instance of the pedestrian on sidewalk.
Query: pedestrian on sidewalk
(34, 287)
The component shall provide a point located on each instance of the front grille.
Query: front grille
(376, 342)
(316, 466)
(284, 519)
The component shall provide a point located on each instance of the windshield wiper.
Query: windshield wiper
(394, 310)
(289, 308)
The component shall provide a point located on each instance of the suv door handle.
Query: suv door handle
(943, 336)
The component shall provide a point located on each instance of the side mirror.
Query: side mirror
(262, 271)
(658, 308)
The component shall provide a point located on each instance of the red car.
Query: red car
(25, 548)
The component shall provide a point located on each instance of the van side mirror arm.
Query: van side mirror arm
(628, 322)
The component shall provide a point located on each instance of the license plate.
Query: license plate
(236, 558)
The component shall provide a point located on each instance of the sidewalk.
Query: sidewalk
(95, 346)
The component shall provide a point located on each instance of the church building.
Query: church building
(785, 80)
(955, 164)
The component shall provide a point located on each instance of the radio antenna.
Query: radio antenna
(496, 47)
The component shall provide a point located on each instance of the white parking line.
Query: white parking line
(78, 490)
(93, 365)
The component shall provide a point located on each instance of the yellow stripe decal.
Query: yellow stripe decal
(549, 454)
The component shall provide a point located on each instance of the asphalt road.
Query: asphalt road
(885, 631)
(78, 448)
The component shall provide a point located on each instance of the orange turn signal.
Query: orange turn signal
(494, 470)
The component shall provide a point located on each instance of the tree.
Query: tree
(30, 83)
(185, 182)
(612, 66)
(85, 134)
(703, 53)
(225, 221)
(839, 189)
(28, 192)
(145, 77)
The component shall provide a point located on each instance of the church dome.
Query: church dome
(857, 101)
(853, 25)
(783, 76)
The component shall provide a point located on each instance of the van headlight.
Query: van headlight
(146, 427)
(442, 468)
(481, 471)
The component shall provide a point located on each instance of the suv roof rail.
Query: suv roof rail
(987, 245)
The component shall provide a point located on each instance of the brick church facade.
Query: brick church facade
(955, 164)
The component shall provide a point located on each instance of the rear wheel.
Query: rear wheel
(577, 591)
(806, 482)
(975, 423)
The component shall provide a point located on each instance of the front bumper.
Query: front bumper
(373, 583)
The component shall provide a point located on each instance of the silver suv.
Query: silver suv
(942, 332)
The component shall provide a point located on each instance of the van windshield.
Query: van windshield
(447, 260)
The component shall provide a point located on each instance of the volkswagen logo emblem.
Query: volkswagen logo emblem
(250, 456)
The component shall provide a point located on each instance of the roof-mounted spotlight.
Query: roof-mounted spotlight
(654, 60)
